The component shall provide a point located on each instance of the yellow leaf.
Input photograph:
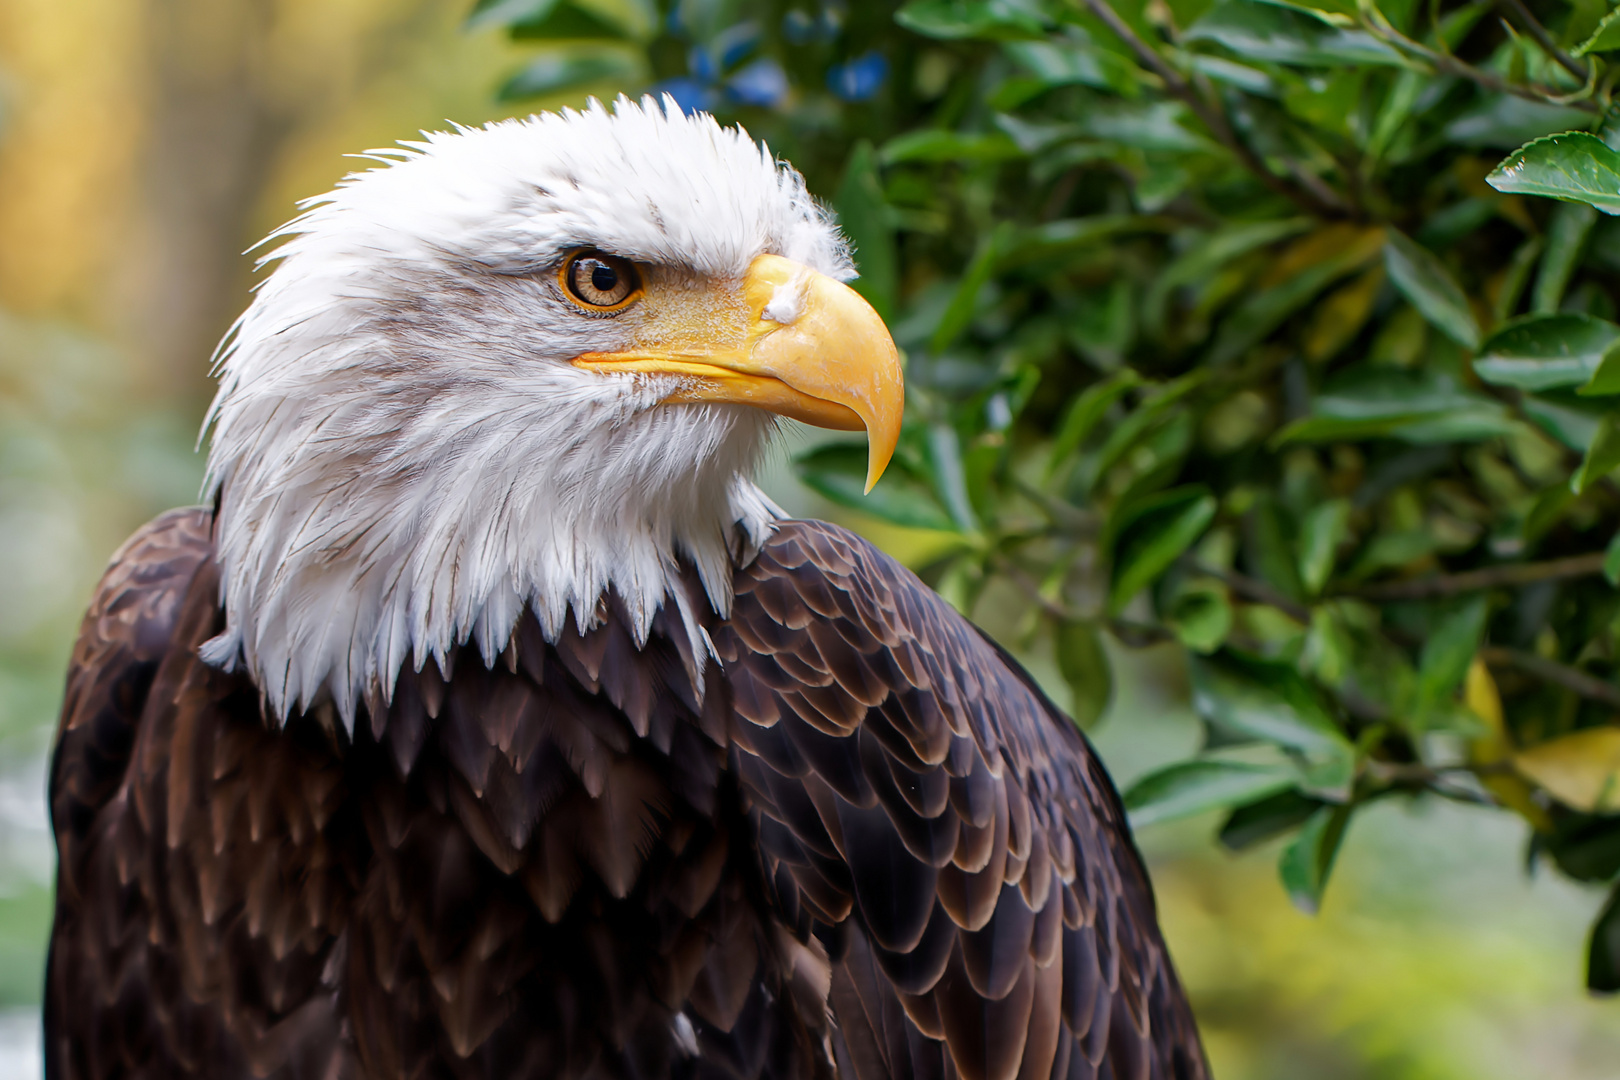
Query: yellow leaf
(1479, 692)
(1356, 243)
(1580, 770)
(1342, 315)
(1481, 697)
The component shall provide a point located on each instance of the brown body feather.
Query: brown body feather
(868, 848)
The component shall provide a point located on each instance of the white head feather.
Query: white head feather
(404, 458)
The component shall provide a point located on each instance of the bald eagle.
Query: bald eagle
(490, 722)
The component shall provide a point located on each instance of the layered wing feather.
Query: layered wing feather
(199, 896)
(944, 830)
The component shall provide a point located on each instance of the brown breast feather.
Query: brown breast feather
(549, 867)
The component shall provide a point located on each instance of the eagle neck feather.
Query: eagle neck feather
(331, 583)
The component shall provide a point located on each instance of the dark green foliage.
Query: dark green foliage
(1227, 324)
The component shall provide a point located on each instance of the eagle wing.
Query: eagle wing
(149, 779)
(943, 830)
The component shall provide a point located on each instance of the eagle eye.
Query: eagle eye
(599, 282)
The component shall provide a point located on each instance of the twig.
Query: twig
(1428, 774)
(1066, 516)
(1438, 779)
(1573, 679)
(1533, 27)
(1028, 586)
(1136, 635)
(1213, 119)
(1489, 578)
(1253, 589)
(1450, 65)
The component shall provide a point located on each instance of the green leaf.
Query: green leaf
(1540, 352)
(1395, 111)
(1267, 818)
(935, 145)
(1515, 278)
(1201, 617)
(555, 72)
(1150, 534)
(1505, 121)
(1307, 863)
(1602, 456)
(950, 478)
(864, 216)
(1054, 239)
(1605, 38)
(1424, 280)
(1141, 423)
(964, 301)
(1083, 662)
(1288, 35)
(503, 12)
(1270, 546)
(837, 471)
(1068, 63)
(1193, 787)
(1447, 652)
(1321, 531)
(1391, 550)
(953, 20)
(568, 22)
(1605, 379)
(1248, 79)
(1090, 407)
(1575, 165)
(1603, 947)
(1423, 406)
(1261, 699)
(1200, 261)
(1256, 317)
(1566, 237)
(1611, 561)
(1547, 511)
(1567, 418)
(1146, 125)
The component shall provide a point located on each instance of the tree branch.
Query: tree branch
(1253, 589)
(1489, 578)
(1213, 118)
(1572, 679)
(1532, 26)
(1028, 586)
(1450, 65)
(1136, 635)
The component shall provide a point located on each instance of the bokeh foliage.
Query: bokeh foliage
(1227, 323)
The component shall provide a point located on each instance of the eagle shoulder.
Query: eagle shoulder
(944, 830)
(123, 639)
(198, 898)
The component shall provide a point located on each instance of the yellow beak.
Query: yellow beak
(810, 348)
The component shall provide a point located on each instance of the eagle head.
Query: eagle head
(515, 368)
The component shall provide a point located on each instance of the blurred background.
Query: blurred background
(145, 144)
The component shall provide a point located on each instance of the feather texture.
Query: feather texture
(570, 863)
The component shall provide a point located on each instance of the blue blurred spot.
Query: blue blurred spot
(761, 83)
(674, 23)
(701, 64)
(691, 95)
(860, 78)
(798, 27)
(734, 43)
